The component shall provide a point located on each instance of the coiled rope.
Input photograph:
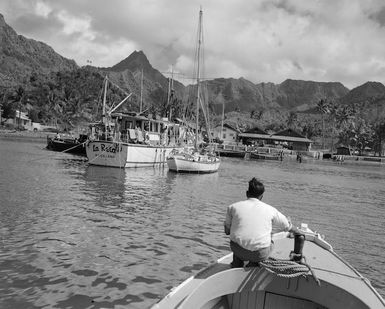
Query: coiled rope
(288, 268)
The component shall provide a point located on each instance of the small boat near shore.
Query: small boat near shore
(68, 144)
(193, 162)
(318, 279)
(231, 151)
(266, 156)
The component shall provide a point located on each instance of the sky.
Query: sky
(259, 40)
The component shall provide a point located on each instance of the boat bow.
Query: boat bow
(219, 286)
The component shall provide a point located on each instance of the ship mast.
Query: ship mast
(170, 91)
(223, 117)
(198, 75)
(104, 120)
(141, 93)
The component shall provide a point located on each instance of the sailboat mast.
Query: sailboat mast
(141, 92)
(223, 117)
(198, 75)
(170, 91)
(104, 101)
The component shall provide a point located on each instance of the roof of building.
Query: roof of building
(290, 139)
(275, 137)
(289, 132)
(227, 126)
(256, 130)
(230, 127)
(254, 135)
(342, 146)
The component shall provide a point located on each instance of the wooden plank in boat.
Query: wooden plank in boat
(274, 301)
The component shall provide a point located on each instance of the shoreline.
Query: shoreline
(40, 136)
(25, 135)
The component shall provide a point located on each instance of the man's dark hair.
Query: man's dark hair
(256, 188)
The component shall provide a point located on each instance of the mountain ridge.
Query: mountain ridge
(23, 59)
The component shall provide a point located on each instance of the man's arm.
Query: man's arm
(227, 229)
(281, 222)
(294, 230)
(227, 223)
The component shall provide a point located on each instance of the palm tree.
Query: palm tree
(379, 135)
(54, 107)
(333, 108)
(344, 114)
(362, 134)
(324, 107)
(19, 97)
(292, 120)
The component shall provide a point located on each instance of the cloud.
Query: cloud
(263, 41)
(42, 9)
(79, 25)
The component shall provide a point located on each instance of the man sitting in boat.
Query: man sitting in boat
(250, 224)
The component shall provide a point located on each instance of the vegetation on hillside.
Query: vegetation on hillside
(341, 125)
(71, 97)
(74, 98)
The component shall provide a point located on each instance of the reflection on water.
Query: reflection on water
(79, 236)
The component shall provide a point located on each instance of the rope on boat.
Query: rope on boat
(82, 144)
(288, 268)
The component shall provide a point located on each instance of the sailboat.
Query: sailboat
(195, 160)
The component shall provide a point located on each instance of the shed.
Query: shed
(343, 150)
(294, 140)
(254, 135)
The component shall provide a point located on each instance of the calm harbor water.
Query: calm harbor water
(79, 236)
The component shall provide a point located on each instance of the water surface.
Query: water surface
(79, 236)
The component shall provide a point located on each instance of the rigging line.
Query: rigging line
(192, 78)
(119, 143)
(204, 92)
(95, 157)
(120, 154)
(207, 120)
(53, 154)
(203, 110)
(203, 67)
(126, 93)
(117, 86)
(98, 102)
(339, 273)
(66, 150)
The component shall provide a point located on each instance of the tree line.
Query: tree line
(66, 99)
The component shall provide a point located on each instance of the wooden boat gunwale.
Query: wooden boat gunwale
(69, 145)
(350, 284)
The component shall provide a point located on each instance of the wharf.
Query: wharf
(358, 159)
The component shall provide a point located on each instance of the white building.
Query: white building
(20, 120)
(227, 134)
